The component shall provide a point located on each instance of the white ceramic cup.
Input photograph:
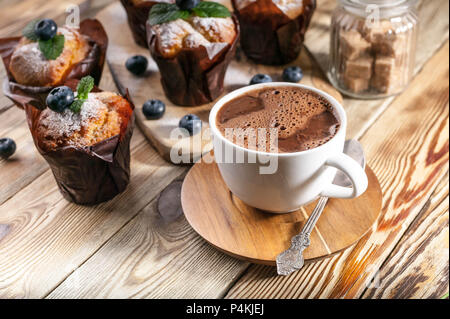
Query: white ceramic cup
(300, 177)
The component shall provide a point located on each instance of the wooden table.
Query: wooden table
(126, 248)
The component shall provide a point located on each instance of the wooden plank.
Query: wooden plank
(408, 149)
(418, 267)
(153, 257)
(433, 32)
(26, 164)
(10, 25)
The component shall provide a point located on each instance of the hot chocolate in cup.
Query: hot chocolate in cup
(301, 164)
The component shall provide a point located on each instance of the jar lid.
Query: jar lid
(386, 8)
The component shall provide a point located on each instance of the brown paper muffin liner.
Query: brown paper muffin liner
(269, 36)
(192, 78)
(88, 175)
(92, 65)
(137, 18)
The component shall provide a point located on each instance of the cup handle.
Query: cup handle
(353, 171)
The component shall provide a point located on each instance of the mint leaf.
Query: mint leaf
(85, 86)
(207, 9)
(166, 12)
(28, 31)
(52, 48)
(76, 105)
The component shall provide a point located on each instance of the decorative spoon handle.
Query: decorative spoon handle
(292, 259)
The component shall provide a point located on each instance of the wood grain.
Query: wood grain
(408, 149)
(433, 32)
(15, 17)
(240, 71)
(259, 237)
(26, 164)
(418, 267)
(153, 258)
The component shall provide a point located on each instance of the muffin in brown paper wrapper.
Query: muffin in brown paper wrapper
(92, 174)
(192, 77)
(268, 35)
(137, 17)
(91, 65)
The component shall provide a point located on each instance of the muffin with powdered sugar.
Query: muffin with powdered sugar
(46, 55)
(192, 50)
(84, 135)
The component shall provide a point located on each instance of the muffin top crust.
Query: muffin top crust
(29, 66)
(212, 33)
(291, 8)
(102, 116)
(138, 2)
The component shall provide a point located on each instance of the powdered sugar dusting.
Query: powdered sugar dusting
(67, 123)
(68, 32)
(35, 59)
(171, 34)
(209, 25)
(292, 8)
(241, 4)
(212, 33)
(194, 40)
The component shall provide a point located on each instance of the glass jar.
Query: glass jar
(372, 47)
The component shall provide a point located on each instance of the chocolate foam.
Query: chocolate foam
(302, 119)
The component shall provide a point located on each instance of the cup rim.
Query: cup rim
(228, 97)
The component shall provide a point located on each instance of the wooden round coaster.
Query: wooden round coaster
(247, 233)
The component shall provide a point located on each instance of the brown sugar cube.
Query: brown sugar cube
(360, 68)
(356, 85)
(378, 32)
(386, 76)
(387, 85)
(384, 66)
(395, 48)
(353, 45)
(385, 40)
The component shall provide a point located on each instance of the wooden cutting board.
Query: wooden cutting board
(158, 132)
(247, 233)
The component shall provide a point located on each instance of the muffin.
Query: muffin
(101, 117)
(193, 55)
(273, 30)
(88, 150)
(137, 13)
(29, 66)
(34, 66)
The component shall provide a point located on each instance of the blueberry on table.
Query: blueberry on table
(187, 4)
(292, 74)
(153, 109)
(45, 29)
(60, 98)
(191, 123)
(260, 78)
(7, 147)
(137, 64)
